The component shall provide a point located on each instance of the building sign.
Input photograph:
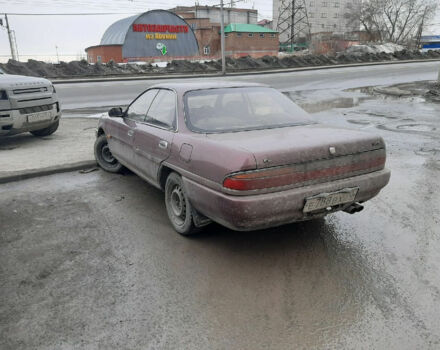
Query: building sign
(160, 36)
(158, 33)
(159, 28)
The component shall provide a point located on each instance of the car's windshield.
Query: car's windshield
(237, 109)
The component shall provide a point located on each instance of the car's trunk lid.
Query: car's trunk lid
(316, 153)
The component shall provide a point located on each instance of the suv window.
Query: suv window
(138, 109)
(163, 110)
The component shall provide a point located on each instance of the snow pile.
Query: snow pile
(434, 92)
(374, 49)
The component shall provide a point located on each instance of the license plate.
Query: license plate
(39, 117)
(325, 200)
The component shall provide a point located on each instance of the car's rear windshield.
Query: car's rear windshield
(238, 109)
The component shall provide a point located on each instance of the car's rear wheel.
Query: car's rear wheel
(104, 156)
(179, 208)
(46, 131)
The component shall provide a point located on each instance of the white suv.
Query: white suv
(28, 104)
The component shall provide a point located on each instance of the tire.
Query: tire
(46, 131)
(104, 156)
(179, 208)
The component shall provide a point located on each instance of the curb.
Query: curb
(240, 73)
(28, 174)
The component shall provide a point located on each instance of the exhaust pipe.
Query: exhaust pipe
(354, 208)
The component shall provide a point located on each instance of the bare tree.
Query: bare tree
(397, 21)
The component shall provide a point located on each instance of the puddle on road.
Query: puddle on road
(417, 127)
(366, 107)
(323, 103)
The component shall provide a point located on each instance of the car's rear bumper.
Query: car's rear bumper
(13, 122)
(244, 213)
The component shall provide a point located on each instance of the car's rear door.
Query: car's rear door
(121, 143)
(154, 137)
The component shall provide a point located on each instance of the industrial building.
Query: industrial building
(430, 42)
(184, 33)
(319, 16)
(150, 35)
(212, 13)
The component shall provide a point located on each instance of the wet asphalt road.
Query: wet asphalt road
(91, 96)
(90, 261)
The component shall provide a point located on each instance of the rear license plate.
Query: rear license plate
(325, 200)
(39, 117)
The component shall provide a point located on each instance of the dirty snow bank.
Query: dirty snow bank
(434, 92)
(78, 69)
(388, 48)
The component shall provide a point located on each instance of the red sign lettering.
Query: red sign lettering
(159, 28)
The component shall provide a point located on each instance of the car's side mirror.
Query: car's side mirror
(115, 112)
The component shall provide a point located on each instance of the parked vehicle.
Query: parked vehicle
(28, 104)
(242, 155)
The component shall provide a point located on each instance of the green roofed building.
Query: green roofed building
(243, 39)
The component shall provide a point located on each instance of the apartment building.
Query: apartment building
(213, 14)
(330, 16)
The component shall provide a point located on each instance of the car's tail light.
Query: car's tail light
(288, 175)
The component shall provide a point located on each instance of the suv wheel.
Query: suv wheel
(104, 156)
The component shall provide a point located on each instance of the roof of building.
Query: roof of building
(429, 38)
(264, 21)
(247, 28)
(115, 34)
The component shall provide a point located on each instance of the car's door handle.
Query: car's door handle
(130, 132)
(163, 144)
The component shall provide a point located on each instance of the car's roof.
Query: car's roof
(182, 87)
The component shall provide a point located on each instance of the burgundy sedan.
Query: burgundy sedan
(242, 155)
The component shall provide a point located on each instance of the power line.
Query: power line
(68, 14)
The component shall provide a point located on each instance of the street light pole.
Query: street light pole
(58, 56)
(222, 38)
(11, 40)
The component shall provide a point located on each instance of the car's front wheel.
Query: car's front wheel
(46, 131)
(104, 156)
(179, 208)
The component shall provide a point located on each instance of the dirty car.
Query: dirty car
(28, 104)
(242, 155)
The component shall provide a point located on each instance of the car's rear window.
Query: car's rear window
(237, 109)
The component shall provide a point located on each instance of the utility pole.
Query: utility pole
(58, 56)
(12, 43)
(222, 38)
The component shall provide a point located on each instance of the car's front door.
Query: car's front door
(154, 137)
(121, 143)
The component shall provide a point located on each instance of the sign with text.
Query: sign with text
(159, 28)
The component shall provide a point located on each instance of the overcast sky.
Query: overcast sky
(38, 36)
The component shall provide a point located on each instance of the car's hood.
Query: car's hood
(9, 81)
(281, 146)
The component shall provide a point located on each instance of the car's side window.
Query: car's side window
(163, 110)
(138, 109)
